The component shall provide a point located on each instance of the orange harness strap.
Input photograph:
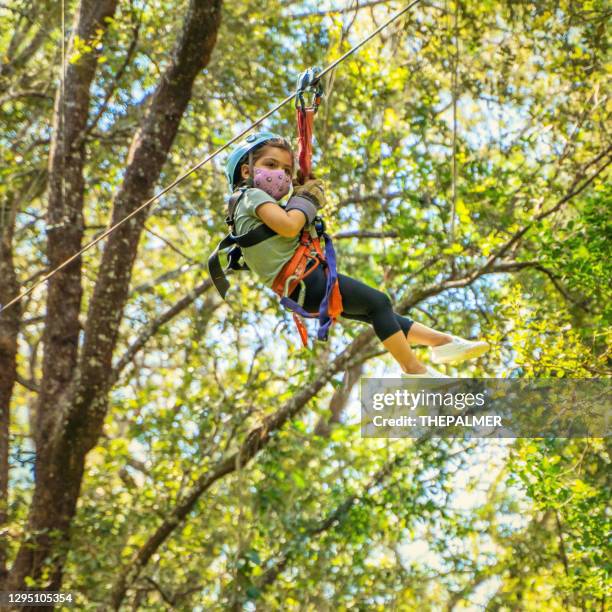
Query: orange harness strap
(294, 272)
(295, 268)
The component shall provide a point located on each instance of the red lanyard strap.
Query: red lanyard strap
(308, 81)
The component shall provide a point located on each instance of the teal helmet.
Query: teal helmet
(251, 142)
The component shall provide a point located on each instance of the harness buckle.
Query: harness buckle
(319, 225)
(288, 282)
(302, 286)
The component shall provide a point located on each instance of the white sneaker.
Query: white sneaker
(458, 349)
(431, 373)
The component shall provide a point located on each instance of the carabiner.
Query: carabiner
(309, 81)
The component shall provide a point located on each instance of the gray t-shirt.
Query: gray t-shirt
(268, 257)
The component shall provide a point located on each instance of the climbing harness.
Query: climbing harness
(307, 257)
(308, 254)
(201, 163)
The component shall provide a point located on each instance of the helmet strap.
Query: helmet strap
(251, 170)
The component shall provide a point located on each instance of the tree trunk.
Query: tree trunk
(9, 328)
(53, 495)
(76, 390)
(146, 158)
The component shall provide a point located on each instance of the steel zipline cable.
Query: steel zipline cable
(189, 172)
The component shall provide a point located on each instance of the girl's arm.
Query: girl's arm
(286, 224)
(302, 208)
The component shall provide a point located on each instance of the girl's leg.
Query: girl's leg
(399, 348)
(415, 332)
(396, 344)
(421, 334)
(367, 304)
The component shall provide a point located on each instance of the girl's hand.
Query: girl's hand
(300, 180)
(313, 190)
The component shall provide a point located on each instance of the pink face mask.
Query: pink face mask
(275, 183)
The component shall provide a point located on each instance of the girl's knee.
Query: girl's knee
(381, 301)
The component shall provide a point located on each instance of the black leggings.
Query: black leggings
(359, 302)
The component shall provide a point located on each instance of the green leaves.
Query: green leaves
(566, 480)
(447, 521)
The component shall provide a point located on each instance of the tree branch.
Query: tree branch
(339, 11)
(24, 93)
(28, 384)
(162, 278)
(364, 234)
(339, 399)
(259, 437)
(576, 188)
(332, 519)
(168, 243)
(154, 326)
(555, 281)
(117, 76)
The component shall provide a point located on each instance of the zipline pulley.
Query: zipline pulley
(309, 82)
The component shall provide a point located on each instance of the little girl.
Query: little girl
(263, 166)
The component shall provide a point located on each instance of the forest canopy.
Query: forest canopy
(161, 448)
